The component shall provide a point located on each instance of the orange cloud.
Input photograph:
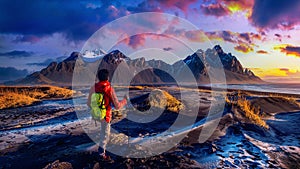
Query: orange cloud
(281, 75)
(237, 5)
(262, 52)
(275, 72)
(243, 48)
(289, 50)
(215, 10)
(227, 7)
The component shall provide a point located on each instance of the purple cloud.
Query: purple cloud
(275, 14)
(16, 53)
(35, 18)
(215, 10)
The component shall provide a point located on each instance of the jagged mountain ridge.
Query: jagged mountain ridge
(144, 72)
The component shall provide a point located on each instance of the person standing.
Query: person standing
(110, 99)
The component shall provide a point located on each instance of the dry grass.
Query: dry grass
(252, 113)
(288, 99)
(23, 96)
(162, 99)
(132, 87)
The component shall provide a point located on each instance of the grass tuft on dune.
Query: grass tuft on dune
(17, 96)
(164, 100)
(252, 113)
(249, 110)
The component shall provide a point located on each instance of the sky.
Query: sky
(262, 34)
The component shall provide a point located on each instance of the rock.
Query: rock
(118, 138)
(59, 165)
(96, 166)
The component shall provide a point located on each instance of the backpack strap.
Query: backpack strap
(102, 99)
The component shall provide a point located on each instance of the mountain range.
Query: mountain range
(140, 71)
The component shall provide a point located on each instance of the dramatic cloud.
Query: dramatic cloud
(168, 49)
(244, 41)
(160, 5)
(215, 10)
(223, 8)
(273, 14)
(139, 40)
(16, 54)
(263, 14)
(234, 37)
(35, 18)
(262, 52)
(244, 48)
(289, 50)
(135, 41)
(11, 73)
(238, 5)
(226, 36)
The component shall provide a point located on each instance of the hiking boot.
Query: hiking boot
(105, 157)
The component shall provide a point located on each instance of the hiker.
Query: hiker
(110, 98)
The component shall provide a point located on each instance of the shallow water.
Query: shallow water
(276, 88)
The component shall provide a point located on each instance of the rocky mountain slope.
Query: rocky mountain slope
(141, 71)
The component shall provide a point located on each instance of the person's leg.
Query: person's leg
(104, 136)
(107, 136)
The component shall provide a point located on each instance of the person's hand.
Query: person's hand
(126, 97)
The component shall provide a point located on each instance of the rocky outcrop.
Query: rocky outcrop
(114, 57)
(59, 165)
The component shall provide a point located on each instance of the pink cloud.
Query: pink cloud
(135, 41)
(215, 10)
(27, 38)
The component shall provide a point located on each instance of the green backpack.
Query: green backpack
(98, 111)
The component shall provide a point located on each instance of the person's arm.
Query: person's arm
(118, 105)
(92, 90)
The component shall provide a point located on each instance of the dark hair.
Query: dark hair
(103, 74)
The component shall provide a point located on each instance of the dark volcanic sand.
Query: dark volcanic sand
(34, 136)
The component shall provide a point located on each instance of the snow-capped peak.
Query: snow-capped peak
(94, 53)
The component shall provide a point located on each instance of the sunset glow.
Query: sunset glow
(264, 35)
